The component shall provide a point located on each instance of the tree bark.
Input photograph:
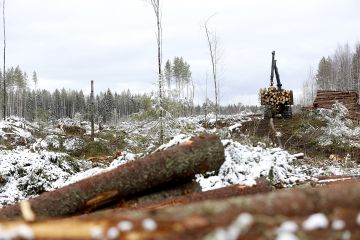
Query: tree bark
(262, 186)
(157, 195)
(176, 164)
(257, 217)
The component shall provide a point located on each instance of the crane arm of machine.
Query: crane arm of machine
(275, 69)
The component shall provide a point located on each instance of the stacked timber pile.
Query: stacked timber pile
(271, 96)
(326, 99)
(312, 212)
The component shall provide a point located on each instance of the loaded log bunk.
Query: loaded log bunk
(276, 101)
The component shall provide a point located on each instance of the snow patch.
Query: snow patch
(234, 127)
(243, 164)
(21, 231)
(287, 231)
(96, 232)
(24, 174)
(174, 141)
(239, 226)
(288, 226)
(338, 129)
(71, 144)
(316, 221)
(338, 224)
(125, 226)
(113, 233)
(149, 224)
(124, 158)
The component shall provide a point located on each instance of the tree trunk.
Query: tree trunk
(262, 185)
(179, 163)
(252, 217)
(92, 110)
(4, 59)
(154, 196)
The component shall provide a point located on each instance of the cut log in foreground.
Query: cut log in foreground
(252, 217)
(262, 185)
(178, 163)
(156, 195)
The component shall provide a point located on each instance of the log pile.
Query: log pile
(271, 96)
(326, 99)
(302, 213)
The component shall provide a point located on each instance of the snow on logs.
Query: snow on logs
(176, 164)
(303, 213)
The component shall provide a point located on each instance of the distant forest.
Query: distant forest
(25, 100)
(339, 71)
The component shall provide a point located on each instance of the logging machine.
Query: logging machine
(276, 101)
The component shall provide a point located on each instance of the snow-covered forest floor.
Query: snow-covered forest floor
(38, 157)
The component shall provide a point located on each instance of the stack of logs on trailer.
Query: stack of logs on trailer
(326, 99)
(271, 96)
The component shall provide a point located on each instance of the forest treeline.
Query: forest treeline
(25, 100)
(339, 71)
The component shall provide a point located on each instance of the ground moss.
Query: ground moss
(93, 149)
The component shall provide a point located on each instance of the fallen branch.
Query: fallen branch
(178, 163)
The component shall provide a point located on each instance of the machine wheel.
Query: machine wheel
(287, 112)
(268, 112)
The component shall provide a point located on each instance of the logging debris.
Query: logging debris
(179, 163)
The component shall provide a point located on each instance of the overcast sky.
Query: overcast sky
(70, 42)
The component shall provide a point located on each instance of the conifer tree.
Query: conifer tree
(168, 74)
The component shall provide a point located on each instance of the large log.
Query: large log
(157, 195)
(262, 186)
(179, 163)
(253, 217)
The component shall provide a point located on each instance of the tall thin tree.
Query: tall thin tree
(4, 72)
(157, 10)
(35, 80)
(92, 110)
(213, 49)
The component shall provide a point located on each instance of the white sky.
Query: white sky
(70, 42)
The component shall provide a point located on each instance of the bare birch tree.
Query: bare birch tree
(157, 10)
(342, 66)
(214, 56)
(4, 71)
(309, 89)
(355, 70)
